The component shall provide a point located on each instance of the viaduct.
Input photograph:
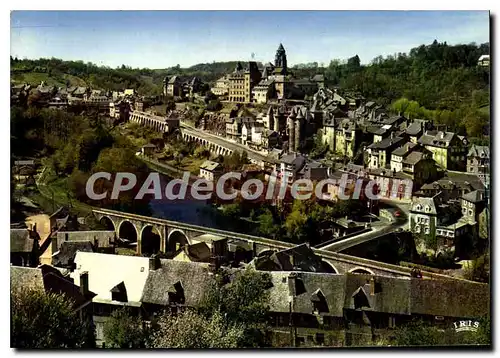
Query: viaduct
(153, 234)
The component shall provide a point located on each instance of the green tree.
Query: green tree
(191, 330)
(47, 320)
(243, 302)
(122, 330)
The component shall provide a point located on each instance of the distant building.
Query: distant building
(242, 81)
(484, 61)
(448, 149)
(210, 170)
(478, 162)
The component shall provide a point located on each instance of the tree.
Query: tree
(267, 226)
(190, 329)
(122, 330)
(47, 320)
(244, 302)
(420, 333)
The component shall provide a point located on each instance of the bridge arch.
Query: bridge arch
(362, 270)
(107, 223)
(176, 239)
(328, 267)
(128, 231)
(150, 240)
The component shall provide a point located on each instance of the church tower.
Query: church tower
(280, 59)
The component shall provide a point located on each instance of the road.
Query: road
(252, 154)
(398, 223)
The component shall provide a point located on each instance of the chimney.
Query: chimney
(292, 291)
(372, 287)
(154, 263)
(84, 283)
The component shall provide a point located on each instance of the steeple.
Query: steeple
(280, 59)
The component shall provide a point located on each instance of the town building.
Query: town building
(448, 149)
(478, 162)
(210, 170)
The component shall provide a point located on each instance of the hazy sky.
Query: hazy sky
(159, 39)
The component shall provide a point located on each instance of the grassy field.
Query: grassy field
(35, 78)
(52, 195)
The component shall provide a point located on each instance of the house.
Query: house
(290, 165)
(448, 149)
(421, 167)
(233, 128)
(473, 204)
(484, 61)
(49, 279)
(263, 91)
(221, 88)
(298, 258)
(24, 247)
(327, 308)
(199, 252)
(210, 170)
(478, 162)
(148, 150)
(399, 154)
(379, 153)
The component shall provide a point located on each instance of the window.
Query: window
(427, 230)
(470, 212)
(427, 209)
(417, 228)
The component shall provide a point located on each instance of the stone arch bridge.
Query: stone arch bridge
(153, 235)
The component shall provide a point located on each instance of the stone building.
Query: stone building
(242, 81)
(478, 162)
(448, 149)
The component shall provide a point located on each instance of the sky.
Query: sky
(161, 39)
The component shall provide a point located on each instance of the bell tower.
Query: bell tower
(280, 59)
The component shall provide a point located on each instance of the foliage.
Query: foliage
(47, 320)
(243, 301)
(420, 333)
(122, 330)
(188, 329)
(235, 160)
(479, 270)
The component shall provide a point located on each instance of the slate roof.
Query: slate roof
(67, 252)
(475, 196)
(306, 286)
(414, 129)
(479, 151)
(462, 178)
(293, 159)
(413, 158)
(20, 240)
(26, 277)
(436, 138)
(424, 202)
(194, 278)
(450, 298)
(199, 252)
(391, 295)
(404, 149)
(386, 143)
(48, 279)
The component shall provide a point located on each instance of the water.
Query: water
(187, 210)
